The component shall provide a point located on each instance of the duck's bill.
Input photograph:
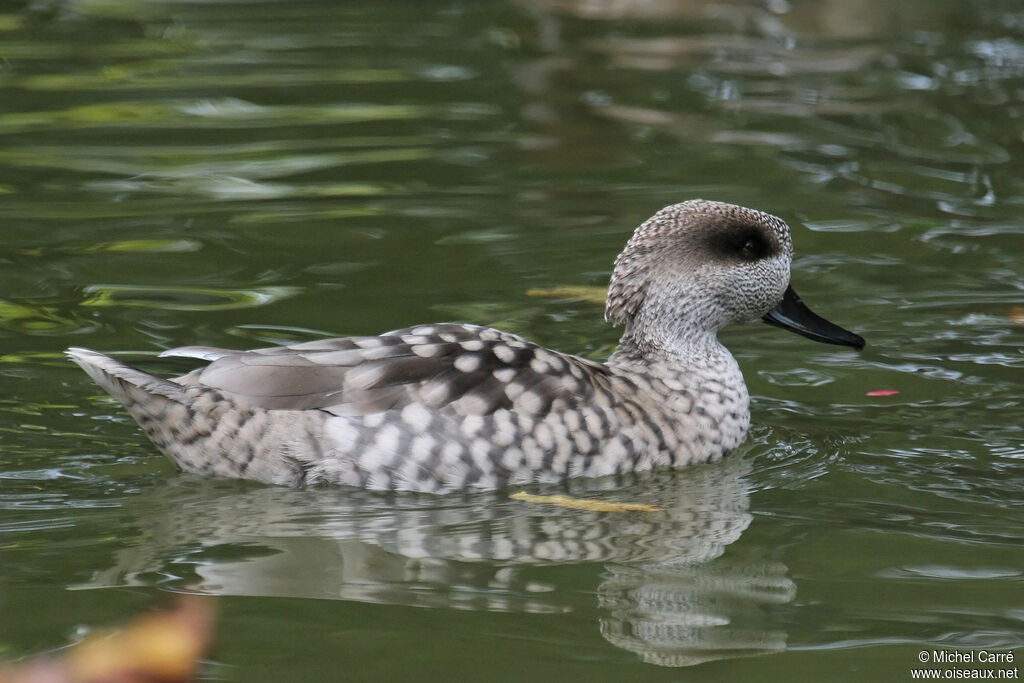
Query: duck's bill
(793, 314)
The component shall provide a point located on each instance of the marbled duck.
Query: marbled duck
(451, 406)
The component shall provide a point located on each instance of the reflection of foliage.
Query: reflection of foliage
(11, 22)
(34, 319)
(592, 295)
(144, 245)
(209, 114)
(183, 298)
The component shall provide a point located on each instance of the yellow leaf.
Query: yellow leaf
(592, 295)
(584, 504)
(162, 646)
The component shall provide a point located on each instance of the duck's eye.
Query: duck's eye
(741, 242)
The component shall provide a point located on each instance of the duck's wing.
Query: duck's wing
(451, 368)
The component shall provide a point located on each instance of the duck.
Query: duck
(456, 407)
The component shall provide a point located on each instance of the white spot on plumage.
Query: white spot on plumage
(480, 449)
(543, 355)
(427, 350)
(341, 431)
(514, 389)
(472, 404)
(468, 363)
(422, 447)
(512, 459)
(368, 342)
(471, 424)
(539, 366)
(374, 420)
(388, 439)
(554, 360)
(593, 422)
(452, 452)
(530, 401)
(614, 450)
(416, 416)
(472, 345)
(504, 430)
(545, 438)
(413, 339)
(504, 353)
(435, 393)
(582, 442)
(504, 375)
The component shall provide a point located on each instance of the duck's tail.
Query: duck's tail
(125, 383)
(200, 430)
(161, 407)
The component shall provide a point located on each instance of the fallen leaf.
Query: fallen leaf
(592, 295)
(584, 503)
(1016, 314)
(164, 646)
(882, 392)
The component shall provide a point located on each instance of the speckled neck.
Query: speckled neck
(673, 332)
(696, 368)
(696, 356)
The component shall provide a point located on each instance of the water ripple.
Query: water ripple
(184, 298)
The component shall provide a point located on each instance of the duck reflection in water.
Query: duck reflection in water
(664, 589)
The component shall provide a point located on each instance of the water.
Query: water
(247, 174)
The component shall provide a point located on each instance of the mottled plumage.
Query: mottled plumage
(453, 406)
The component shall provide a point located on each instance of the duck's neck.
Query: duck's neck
(695, 357)
(695, 371)
(690, 347)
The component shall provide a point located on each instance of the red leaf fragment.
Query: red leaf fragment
(882, 392)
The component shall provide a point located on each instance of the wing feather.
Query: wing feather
(452, 368)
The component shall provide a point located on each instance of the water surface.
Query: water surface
(247, 174)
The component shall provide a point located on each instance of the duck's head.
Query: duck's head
(694, 267)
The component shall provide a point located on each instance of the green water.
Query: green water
(242, 174)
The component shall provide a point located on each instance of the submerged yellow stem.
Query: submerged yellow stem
(584, 504)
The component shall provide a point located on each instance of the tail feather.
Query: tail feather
(119, 379)
(210, 353)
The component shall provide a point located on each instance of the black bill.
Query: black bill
(793, 314)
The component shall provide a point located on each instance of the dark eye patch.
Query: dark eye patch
(743, 242)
